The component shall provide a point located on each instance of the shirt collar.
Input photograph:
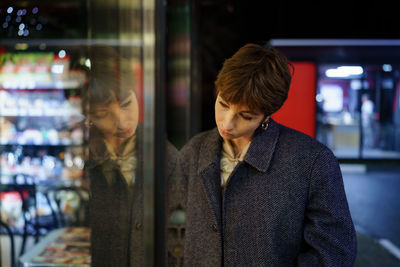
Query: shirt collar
(227, 150)
(98, 152)
(259, 154)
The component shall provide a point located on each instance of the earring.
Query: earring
(88, 123)
(264, 125)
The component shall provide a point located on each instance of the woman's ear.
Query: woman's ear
(264, 124)
(88, 123)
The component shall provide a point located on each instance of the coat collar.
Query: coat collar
(210, 150)
(263, 146)
(209, 171)
(259, 154)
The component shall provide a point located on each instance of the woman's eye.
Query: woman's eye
(223, 104)
(100, 115)
(247, 118)
(126, 104)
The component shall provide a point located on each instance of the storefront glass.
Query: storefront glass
(358, 110)
(77, 132)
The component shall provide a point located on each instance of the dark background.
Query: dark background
(221, 27)
(224, 26)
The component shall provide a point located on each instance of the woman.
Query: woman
(115, 162)
(258, 193)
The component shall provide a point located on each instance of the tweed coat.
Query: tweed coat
(116, 209)
(284, 205)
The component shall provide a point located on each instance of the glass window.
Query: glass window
(357, 110)
(77, 133)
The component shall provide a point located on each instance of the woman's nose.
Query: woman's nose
(229, 121)
(122, 121)
(117, 118)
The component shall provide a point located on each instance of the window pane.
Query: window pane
(77, 131)
(357, 109)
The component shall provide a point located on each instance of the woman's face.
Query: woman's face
(236, 122)
(116, 119)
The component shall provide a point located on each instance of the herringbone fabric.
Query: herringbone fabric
(284, 205)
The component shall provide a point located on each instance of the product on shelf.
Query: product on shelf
(41, 129)
(7, 130)
(33, 70)
(11, 209)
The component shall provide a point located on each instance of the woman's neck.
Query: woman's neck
(238, 145)
(114, 143)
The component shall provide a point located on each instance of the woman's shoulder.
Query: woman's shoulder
(199, 142)
(299, 140)
(200, 138)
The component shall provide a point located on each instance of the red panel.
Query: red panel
(298, 112)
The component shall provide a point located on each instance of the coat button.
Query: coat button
(138, 226)
(214, 227)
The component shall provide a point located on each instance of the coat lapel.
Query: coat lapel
(209, 171)
(259, 156)
(262, 147)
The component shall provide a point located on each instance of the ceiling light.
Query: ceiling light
(344, 71)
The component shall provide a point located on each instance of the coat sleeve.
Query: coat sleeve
(329, 236)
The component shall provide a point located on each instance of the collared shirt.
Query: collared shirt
(229, 161)
(124, 159)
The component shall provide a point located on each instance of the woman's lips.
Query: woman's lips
(129, 131)
(224, 133)
(126, 132)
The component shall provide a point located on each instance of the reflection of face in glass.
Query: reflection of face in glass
(116, 120)
(236, 122)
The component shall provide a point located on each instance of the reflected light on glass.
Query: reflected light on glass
(387, 67)
(62, 54)
(333, 96)
(87, 63)
(355, 84)
(344, 71)
(319, 98)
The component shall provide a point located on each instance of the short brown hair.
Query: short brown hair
(256, 76)
(110, 76)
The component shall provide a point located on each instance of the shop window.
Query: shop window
(357, 110)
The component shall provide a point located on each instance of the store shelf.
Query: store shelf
(40, 114)
(60, 144)
(31, 81)
(41, 129)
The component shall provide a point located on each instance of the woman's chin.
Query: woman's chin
(126, 134)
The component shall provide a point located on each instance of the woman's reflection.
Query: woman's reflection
(116, 208)
(115, 167)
